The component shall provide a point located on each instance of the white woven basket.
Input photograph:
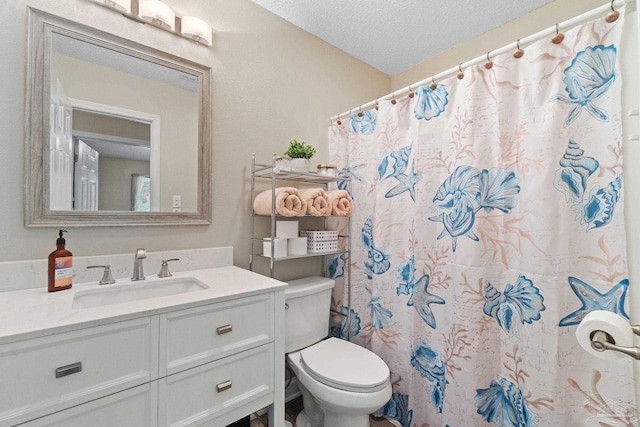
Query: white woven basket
(320, 236)
(315, 246)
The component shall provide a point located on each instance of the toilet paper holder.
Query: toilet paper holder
(602, 341)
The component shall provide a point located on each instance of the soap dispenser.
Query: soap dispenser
(60, 266)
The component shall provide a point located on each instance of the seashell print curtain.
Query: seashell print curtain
(488, 222)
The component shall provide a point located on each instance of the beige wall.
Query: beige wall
(114, 191)
(271, 82)
(110, 125)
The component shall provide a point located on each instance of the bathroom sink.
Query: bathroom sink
(135, 291)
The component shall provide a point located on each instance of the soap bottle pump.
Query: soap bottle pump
(60, 266)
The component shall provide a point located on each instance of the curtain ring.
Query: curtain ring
(519, 53)
(557, 39)
(613, 15)
(460, 72)
(489, 64)
(433, 85)
(393, 98)
(338, 122)
(360, 111)
(410, 92)
(377, 105)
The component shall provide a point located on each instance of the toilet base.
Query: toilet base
(342, 420)
(302, 420)
(334, 420)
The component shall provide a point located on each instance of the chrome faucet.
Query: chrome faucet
(107, 278)
(164, 268)
(138, 271)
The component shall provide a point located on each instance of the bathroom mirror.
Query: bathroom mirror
(117, 133)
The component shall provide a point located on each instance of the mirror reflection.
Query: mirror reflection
(123, 132)
(115, 153)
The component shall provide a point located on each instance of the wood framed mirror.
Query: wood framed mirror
(100, 110)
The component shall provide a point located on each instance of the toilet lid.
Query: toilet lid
(345, 366)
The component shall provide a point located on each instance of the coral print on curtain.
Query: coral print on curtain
(488, 221)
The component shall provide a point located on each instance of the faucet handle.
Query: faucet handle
(107, 278)
(164, 268)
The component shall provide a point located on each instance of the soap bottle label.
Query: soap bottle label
(63, 274)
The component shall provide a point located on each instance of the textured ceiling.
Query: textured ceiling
(394, 35)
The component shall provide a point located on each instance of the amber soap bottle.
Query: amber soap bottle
(60, 266)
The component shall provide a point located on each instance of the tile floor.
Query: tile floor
(294, 406)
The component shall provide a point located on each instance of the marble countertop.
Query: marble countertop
(35, 313)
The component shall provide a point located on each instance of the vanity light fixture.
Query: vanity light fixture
(160, 15)
(196, 29)
(123, 6)
(157, 13)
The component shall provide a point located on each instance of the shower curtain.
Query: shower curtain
(488, 222)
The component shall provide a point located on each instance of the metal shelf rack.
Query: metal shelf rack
(263, 171)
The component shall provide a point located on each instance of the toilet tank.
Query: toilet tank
(308, 301)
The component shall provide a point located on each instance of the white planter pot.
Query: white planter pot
(299, 165)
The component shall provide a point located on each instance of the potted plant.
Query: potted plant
(300, 154)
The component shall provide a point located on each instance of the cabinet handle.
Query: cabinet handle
(224, 329)
(63, 371)
(224, 386)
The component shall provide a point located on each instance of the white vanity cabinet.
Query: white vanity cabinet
(137, 406)
(44, 375)
(207, 364)
(215, 360)
(212, 394)
(199, 335)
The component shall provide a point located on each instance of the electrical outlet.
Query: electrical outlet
(177, 202)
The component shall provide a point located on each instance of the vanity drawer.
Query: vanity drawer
(48, 374)
(136, 406)
(200, 335)
(210, 393)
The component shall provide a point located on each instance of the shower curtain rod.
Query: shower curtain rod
(570, 23)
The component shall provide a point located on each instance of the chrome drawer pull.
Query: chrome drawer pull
(224, 386)
(224, 329)
(63, 371)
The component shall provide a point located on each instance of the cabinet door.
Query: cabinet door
(135, 407)
(44, 375)
(195, 336)
(220, 392)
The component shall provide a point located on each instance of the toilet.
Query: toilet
(341, 382)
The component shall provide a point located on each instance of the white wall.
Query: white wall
(271, 82)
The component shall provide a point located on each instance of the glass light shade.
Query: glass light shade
(157, 13)
(119, 5)
(196, 29)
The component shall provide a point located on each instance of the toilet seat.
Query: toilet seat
(346, 366)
